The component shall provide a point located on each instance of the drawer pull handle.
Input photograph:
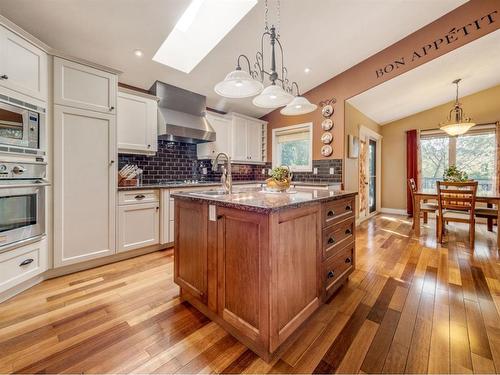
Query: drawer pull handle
(348, 260)
(331, 240)
(4, 76)
(348, 231)
(26, 262)
(330, 274)
(348, 208)
(140, 196)
(330, 213)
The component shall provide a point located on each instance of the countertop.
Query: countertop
(259, 201)
(173, 185)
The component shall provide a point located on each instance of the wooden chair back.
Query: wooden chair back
(457, 196)
(413, 188)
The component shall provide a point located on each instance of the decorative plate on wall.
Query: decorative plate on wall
(327, 110)
(327, 138)
(327, 124)
(326, 150)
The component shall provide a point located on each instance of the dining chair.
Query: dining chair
(425, 207)
(456, 203)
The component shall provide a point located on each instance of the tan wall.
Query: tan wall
(483, 107)
(363, 76)
(354, 119)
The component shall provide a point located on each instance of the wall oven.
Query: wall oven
(22, 203)
(21, 126)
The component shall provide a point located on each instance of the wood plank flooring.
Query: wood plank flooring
(411, 306)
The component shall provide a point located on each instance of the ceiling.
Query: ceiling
(429, 85)
(328, 37)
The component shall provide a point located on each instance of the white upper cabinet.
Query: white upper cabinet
(23, 67)
(84, 87)
(248, 141)
(242, 137)
(222, 127)
(137, 118)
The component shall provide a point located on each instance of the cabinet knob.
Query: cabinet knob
(111, 108)
(331, 240)
(348, 208)
(149, 146)
(348, 231)
(4, 76)
(330, 213)
(26, 262)
(330, 274)
(348, 260)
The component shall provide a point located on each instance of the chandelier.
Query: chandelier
(457, 123)
(247, 83)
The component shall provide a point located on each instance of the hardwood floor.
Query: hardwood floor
(410, 307)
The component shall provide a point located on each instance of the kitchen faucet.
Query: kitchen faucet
(226, 178)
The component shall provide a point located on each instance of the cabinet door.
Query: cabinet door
(239, 139)
(138, 226)
(80, 86)
(23, 66)
(222, 128)
(136, 124)
(84, 185)
(242, 272)
(254, 141)
(190, 250)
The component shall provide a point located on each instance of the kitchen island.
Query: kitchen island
(260, 264)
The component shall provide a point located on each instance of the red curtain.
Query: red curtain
(411, 165)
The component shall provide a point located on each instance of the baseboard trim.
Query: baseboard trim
(394, 211)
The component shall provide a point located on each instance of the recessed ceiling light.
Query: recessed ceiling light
(307, 70)
(201, 27)
(138, 53)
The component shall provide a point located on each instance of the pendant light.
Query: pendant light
(244, 84)
(298, 106)
(457, 123)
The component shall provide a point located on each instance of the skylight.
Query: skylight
(201, 27)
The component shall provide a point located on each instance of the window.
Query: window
(473, 152)
(292, 146)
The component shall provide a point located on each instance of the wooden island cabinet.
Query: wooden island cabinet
(261, 268)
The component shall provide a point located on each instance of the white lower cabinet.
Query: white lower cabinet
(138, 226)
(22, 264)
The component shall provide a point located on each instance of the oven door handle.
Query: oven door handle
(24, 185)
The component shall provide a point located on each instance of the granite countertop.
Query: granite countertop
(258, 200)
(167, 185)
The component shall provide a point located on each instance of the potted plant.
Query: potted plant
(280, 179)
(454, 174)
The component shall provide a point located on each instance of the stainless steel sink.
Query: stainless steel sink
(210, 193)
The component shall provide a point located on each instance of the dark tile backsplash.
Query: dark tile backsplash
(177, 161)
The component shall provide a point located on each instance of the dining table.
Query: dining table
(489, 198)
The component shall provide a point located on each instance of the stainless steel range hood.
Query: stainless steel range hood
(181, 115)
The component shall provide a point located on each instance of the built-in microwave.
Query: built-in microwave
(21, 127)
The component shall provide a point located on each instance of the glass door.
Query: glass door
(372, 176)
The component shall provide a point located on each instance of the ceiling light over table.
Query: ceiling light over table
(244, 84)
(457, 123)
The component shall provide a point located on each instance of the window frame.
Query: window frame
(275, 155)
(452, 144)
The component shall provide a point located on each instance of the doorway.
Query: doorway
(369, 172)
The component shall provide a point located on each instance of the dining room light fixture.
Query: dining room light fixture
(244, 84)
(457, 123)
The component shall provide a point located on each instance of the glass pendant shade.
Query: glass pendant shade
(298, 106)
(272, 96)
(238, 84)
(457, 129)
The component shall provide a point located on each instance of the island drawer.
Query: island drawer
(337, 236)
(138, 196)
(336, 268)
(337, 210)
